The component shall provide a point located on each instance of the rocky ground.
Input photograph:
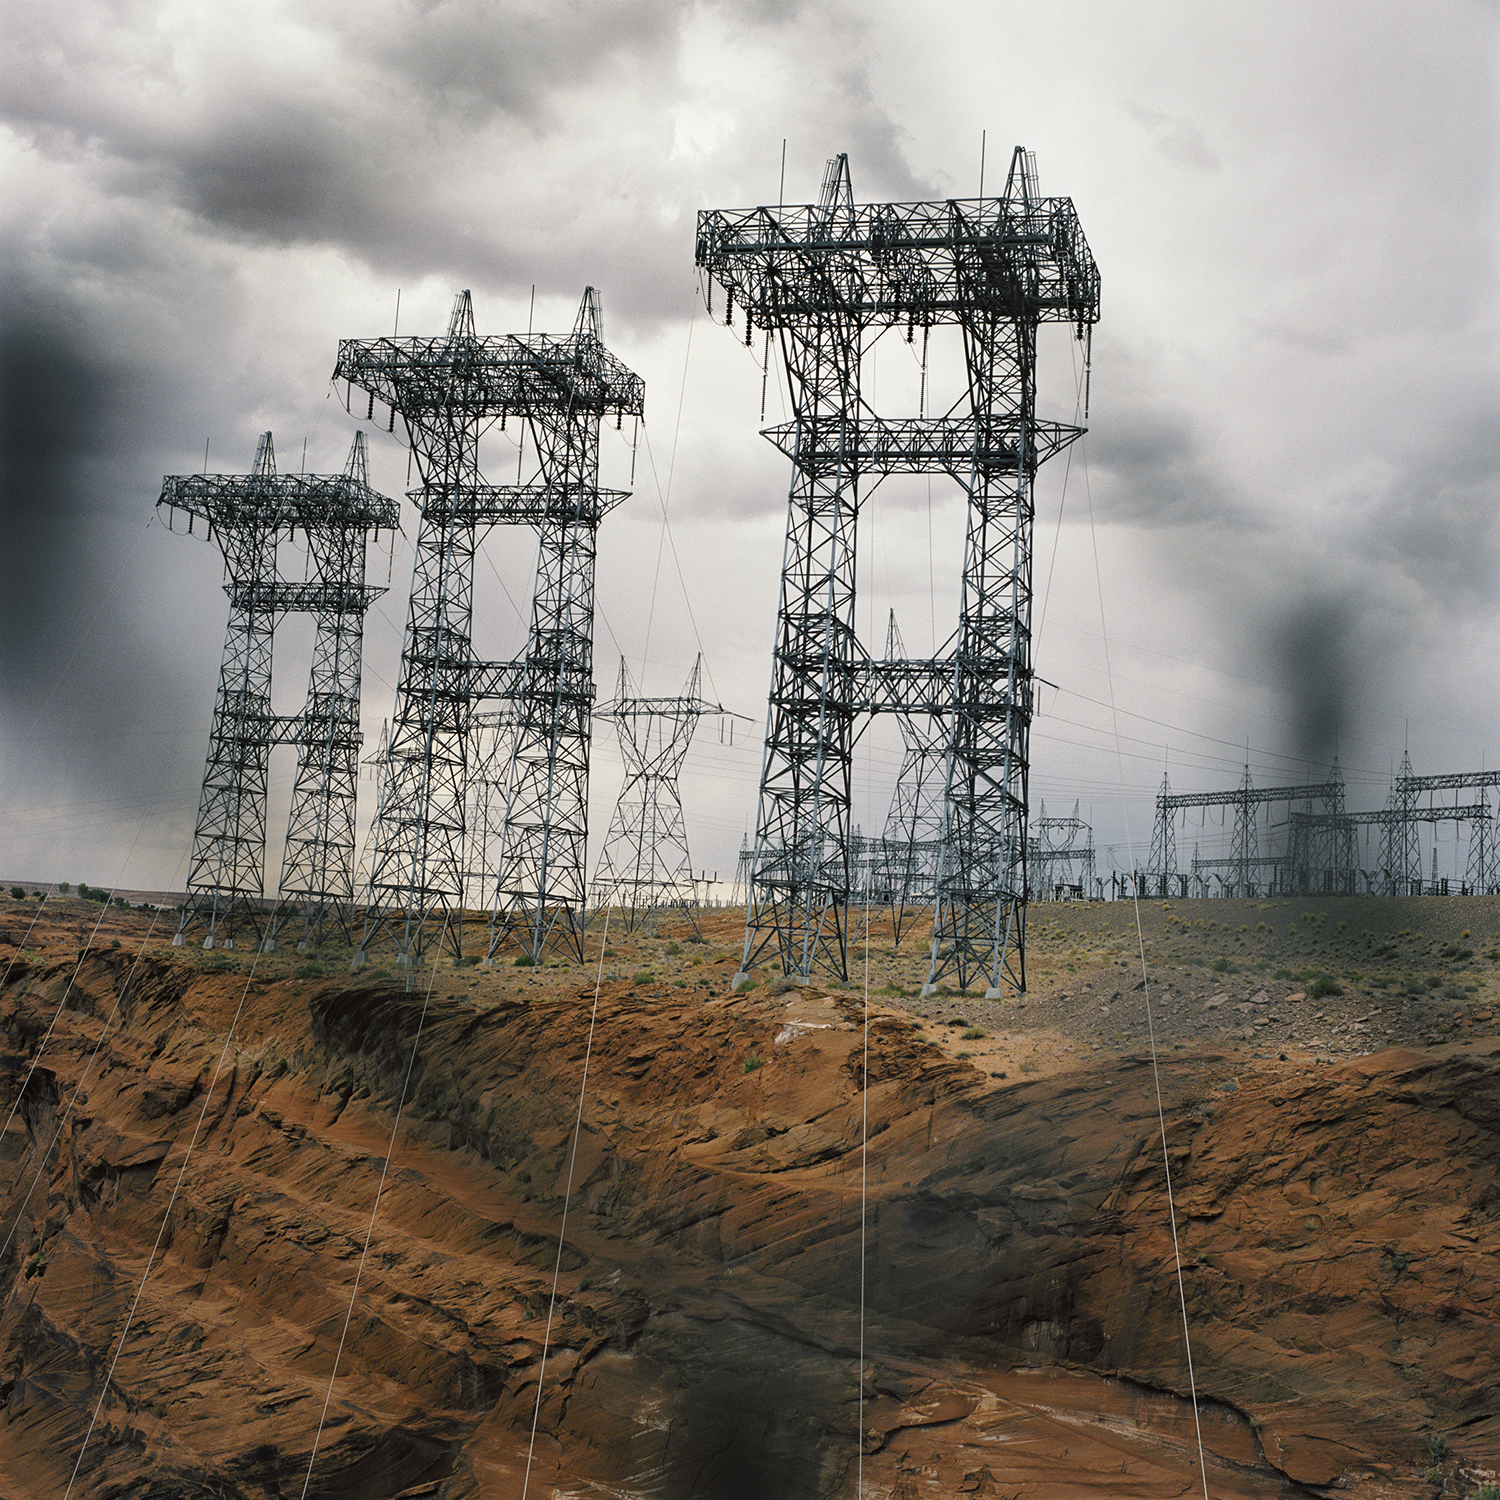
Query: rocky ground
(184, 1256)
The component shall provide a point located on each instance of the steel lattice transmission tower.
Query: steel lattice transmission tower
(912, 840)
(829, 279)
(448, 390)
(644, 867)
(249, 515)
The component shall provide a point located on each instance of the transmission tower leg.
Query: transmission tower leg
(416, 872)
(317, 882)
(980, 926)
(541, 893)
(225, 886)
(799, 887)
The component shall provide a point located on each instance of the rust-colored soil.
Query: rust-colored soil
(1335, 1170)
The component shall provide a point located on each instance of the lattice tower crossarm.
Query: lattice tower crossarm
(447, 390)
(828, 279)
(644, 867)
(248, 515)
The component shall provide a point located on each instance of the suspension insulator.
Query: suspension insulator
(370, 412)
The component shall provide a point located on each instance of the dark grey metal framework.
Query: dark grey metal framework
(249, 515)
(911, 845)
(1062, 856)
(448, 390)
(829, 279)
(1162, 878)
(644, 867)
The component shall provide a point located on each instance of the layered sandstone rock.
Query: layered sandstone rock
(695, 1331)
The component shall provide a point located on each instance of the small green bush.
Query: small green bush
(644, 977)
(310, 971)
(64, 887)
(672, 950)
(973, 1034)
(1323, 984)
(752, 1063)
(18, 893)
(1437, 1445)
(524, 961)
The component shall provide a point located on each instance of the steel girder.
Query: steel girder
(248, 514)
(829, 278)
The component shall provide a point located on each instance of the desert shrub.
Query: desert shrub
(526, 961)
(1437, 1445)
(1323, 984)
(64, 887)
(781, 984)
(18, 893)
(973, 1034)
(752, 1063)
(672, 950)
(644, 977)
(310, 971)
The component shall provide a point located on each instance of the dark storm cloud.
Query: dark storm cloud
(63, 408)
(440, 139)
(80, 650)
(1157, 472)
(1319, 659)
(457, 56)
(1439, 522)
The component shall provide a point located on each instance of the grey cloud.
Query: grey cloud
(1321, 659)
(1439, 520)
(82, 652)
(1156, 473)
(1175, 138)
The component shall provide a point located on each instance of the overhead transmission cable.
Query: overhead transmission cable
(385, 1168)
(162, 1228)
(1161, 1120)
(588, 1053)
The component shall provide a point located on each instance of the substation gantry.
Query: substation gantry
(1062, 856)
(1238, 873)
(644, 868)
(249, 515)
(447, 391)
(829, 279)
(1321, 856)
(1401, 857)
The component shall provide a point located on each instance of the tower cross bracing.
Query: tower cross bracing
(644, 867)
(249, 515)
(827, 280)
(448, 391)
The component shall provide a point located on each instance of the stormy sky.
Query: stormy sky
(1278, 540)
